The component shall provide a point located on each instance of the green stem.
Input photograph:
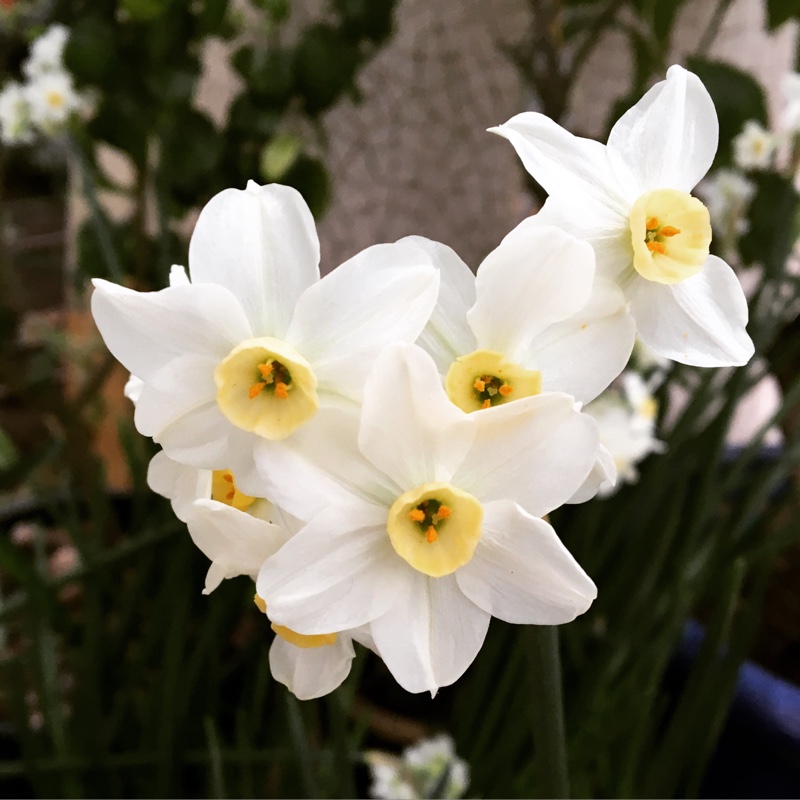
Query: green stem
(549, 738)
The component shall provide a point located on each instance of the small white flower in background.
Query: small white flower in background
(15, 115)
(257, 348)
(630, 200)
(647, 360)
(424, 521)
(790, 119)
(727, 195)
(47, 52)
(429, 768)
(52, 99)
(626, 418)
(754, 147)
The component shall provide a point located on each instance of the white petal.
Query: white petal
(569, 167)
(309, 672)
(602, 478)
(147, 330)
(180, 484)
(699, 321)
(340, 571)
(321, 465)
(262, 245)
(203, 438)
(409, 428)
(385, 294)
(610, 240)
(669, 138)
(431, 634)
(582, 355)
(178, 276)
(536, 277)
(447, 334)
(235, 541)
(133, 389)
(536, 451)
(522, 573)
(185, 384)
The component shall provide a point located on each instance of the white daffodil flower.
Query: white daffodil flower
(52, 98)
(630, 199)
(238, 543)
(754, 147)
(791, 92)
(15, 115)
(530, 322)
(47, 52)
(429, 521)
(247, 353)
(626, 419)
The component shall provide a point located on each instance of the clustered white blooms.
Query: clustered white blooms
(754, 148)
(47, 99)
(626, 418)
(378, 449)
(430, 768)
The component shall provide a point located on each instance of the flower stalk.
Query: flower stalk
(547, 712)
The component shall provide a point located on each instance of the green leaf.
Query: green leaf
(326, 63)
(664, 13)
(8, 451)
(120, 122)
(366, 19)
(780, 11)
(737, 96)
(279, 156)
(145, 10)
(212, 15)
(90, 54)
(190, 151)
(772, 232)
(310, 178)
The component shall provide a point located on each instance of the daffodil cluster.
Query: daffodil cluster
(379, 448)
(47, 98)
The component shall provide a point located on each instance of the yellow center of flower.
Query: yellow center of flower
(265, 386)
(435, 528)
(671, 235)
(484, 378)
(55, 99)
(223, 490)
(297, 639)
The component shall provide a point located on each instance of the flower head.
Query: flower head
(754, 147)
(533, 320)
(425, 521)
(249, 352)
(15, 115)
(631, 200)
(52, 99)
(47, 52)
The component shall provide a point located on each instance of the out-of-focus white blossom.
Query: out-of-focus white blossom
(626, 417)
(791, 113)
(727, 195)
(52, 98)
(429, 768)
(47, 52)
(754, 147)
(15, 115)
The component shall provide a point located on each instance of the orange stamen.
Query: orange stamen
(505, 390)
(226, 476)
(255, 389)
(669, 230)
(444, 512)
(651, 224)
(479, 385)
(656, 247)
(416, 515)
(431, 535)
(231, 494)
(487, 403)
(265, 370)
(281, 390)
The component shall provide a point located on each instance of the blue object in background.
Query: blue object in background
(758, 753)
